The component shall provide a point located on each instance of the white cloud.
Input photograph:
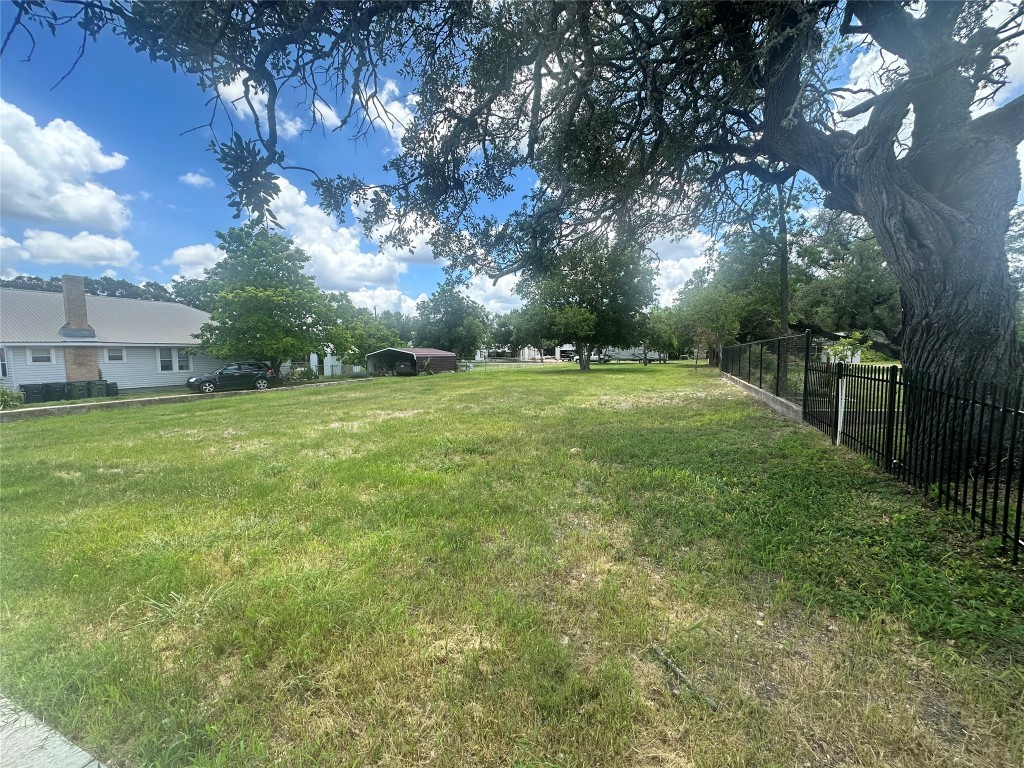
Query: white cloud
(418, 252)
(84, 249)
(393, 112)
(8, 273)
(196, 180)
(340, 256)
(193, 259)
(386, 300)
(233, 93)
(678, 260)
(288, 126)
(47, 173)
(497, 298)
(335, 251)
(326, 116)
(11, 250)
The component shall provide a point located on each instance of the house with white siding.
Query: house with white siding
(72, 336)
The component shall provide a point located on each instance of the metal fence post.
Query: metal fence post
(807, 367)
(778, 364)
(890, 416)
(837, 416)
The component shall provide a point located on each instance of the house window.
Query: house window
(3, 363)
(40, 355)
(175, 359)
(115, 354)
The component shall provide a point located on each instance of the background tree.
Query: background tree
(262, 305)
(768, 219)
(404, 326)
(660, 331)
(97, 286)
(506, 331)
(534, 329)
(838, 276)
(592, 294)
(849, 286)
(358, 333)
(255, 258)
(367, 335)
(746, 266)
(450, 321)
(709, 318)
(528, 326)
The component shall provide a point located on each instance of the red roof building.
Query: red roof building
(410, 361)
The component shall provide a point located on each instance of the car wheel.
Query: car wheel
(261, 383)
(207, 387)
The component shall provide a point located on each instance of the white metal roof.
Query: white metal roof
(416, 351)
(35, 317)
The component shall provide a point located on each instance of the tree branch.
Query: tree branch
(1008, 121)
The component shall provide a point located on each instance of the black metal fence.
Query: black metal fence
(962, 443)
(778, 365)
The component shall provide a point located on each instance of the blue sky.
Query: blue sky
(98, 178)
(100, 175)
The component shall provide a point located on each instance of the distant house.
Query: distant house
(410, 359)
(526, 354)
(72, 336)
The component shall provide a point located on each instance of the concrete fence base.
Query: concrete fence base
(782, 407)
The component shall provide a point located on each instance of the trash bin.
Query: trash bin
(98, 388)
(78, 390)
(54, 391)
(111, 389)
(34, 393)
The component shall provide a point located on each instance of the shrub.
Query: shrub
(304, 373)
(10, 399)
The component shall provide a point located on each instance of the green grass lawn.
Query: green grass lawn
(476, 570)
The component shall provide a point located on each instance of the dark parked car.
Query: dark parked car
(405, 368)
(246, 374)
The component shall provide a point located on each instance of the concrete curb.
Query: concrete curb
(21, 414)
(782, 407)
(27, 742)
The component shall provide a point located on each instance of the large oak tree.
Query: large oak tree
(639, 110)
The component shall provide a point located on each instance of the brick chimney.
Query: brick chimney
(76, 325)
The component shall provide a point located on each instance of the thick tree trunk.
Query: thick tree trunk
(941, 219)
(959, 304)
(583, 353)
(939, 207)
